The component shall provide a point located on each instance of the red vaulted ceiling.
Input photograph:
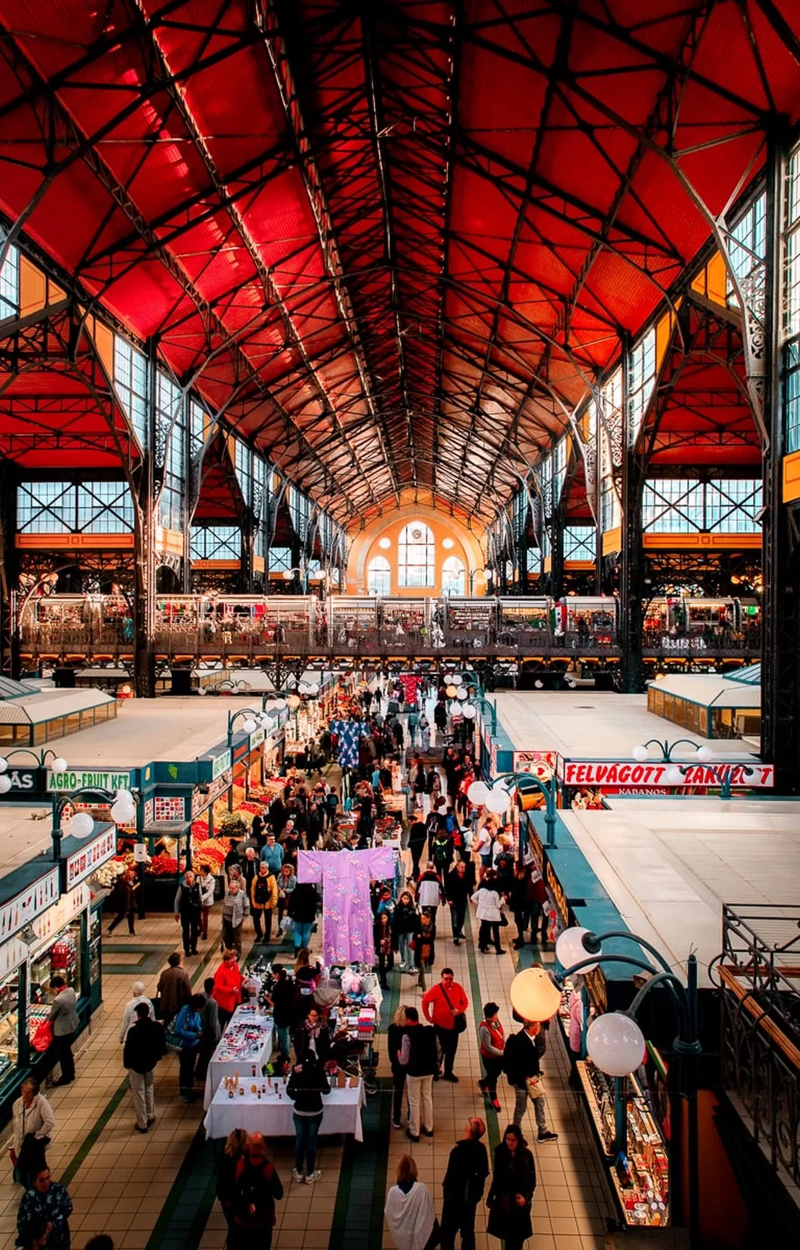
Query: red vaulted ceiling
(392, 241)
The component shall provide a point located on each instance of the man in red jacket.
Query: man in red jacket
(443, 1006)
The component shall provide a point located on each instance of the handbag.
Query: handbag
(534, 1086)
(459, 1017)
(174, 1040)
(503, 920)
(43, 1037)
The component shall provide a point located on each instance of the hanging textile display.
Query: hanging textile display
(346, 912)
(348, 732)
(411, 683)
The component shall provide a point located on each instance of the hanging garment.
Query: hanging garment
(347, 921)
(348, 733)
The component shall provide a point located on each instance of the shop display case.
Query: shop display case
(9, 1025)
(95, 957)
(61, 958)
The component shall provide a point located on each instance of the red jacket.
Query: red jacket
(435, 1008)
(227, 991)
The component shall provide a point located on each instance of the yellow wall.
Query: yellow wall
(364, 547)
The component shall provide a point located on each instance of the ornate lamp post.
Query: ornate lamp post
(497, 797)
(123, 811)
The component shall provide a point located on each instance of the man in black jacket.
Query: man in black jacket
(463, 1186)
(188, 909)
(521, 1064)
(417, 836)
(419, 1057)
(144, 1046)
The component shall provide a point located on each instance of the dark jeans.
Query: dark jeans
(538, 921)
(63, 1045)
(190, 926)
(522, 919)
(416, 849)
(492, 1067)
(448, 1040)
(398, 1089)
(266, 916)
(305, 1147)
(458, 1216)
(458, 915)
(489, 932)
(118, 919)
(186, 1061)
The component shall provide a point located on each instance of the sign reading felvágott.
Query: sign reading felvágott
(84, 862)
(31, 902)
(630, 773)
(80, 779)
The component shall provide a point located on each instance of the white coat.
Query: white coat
(487, 904)
(38, 1119)
(128, 1016)
(410, 1217)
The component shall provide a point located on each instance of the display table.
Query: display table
(247, 1041)
(272, 1115)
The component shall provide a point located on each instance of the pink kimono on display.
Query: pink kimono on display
(346, 912)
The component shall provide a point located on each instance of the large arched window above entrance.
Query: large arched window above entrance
(379, 576)
(416, 556)
(454, 577)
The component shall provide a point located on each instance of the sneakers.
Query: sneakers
(139, 1128)
(496, 1104)
(410, 1136)
(427, 1132)
(313, 1177)
(298, 1176)
(482, 1087)
(151, 1120)
(451, 1076)
(396, 1124)
(547, 1137)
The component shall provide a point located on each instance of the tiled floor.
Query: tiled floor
(125, 1183)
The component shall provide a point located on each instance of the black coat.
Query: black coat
(303, 903)
(189, 903)
(144, 1046)
(513, 1174)
(521, 1057)
(405, 920)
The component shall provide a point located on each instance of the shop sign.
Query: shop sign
(219, 764)
(56, 918)
(604, 773)
(31, 902)
(72, 779)
(12, 954)
(559, 897)
(241, 751)
(200, 800)
(84, 862)
(23, 780)
(257, 738)
(541, 764)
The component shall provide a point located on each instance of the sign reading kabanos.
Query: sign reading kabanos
(631, 773)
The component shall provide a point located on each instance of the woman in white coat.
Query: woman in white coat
(409, 1211)
(33, 1125)
(489, 910)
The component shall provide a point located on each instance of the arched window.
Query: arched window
(416, 564)
(379, 576)
(454, 577)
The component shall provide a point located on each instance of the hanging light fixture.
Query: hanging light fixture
(533, 995)
(478, 792)
(570, 949)
(81, 825)
(615, 1043)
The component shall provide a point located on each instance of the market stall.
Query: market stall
(243, 1051)
(262, 1106)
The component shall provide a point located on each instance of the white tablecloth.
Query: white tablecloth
(221, 1065)
(273, 1117)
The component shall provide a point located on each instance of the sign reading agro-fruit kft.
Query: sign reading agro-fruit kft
(80, 779)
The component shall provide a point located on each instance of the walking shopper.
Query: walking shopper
(49, 1202)
(226, 1172)
(272, 854)
(521, 1066)
(489, 911)
(125, 900)
(418, 1057)
(458, 888)
(64, 1021)
(286, 884)
(188, 1027)
(145, 1045)
(492, 1044)
(384, 953)
(212, 1029)
(33, 1122)
(189, 910)
(263, 901)
(234, 909)
(417, 837)
(409, 1211)
(394, 1041)
(444, 1006)
(227, 991)
(208, 884)
(429, 890)
(511, 1192)
(173, 990)
(405, 928)
(282, 995)
(303, 905)
(128, 1017)
(308, 1085)
(257, 1187)
(463, 1186)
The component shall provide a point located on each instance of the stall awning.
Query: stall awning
(709, 690)
(36, 709)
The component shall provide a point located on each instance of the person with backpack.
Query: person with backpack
(145, 1045)
(256, 1188)
(187, 1032)
(463, 1186)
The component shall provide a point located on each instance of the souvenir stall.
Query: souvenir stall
(243, 1051)
(261, 1105)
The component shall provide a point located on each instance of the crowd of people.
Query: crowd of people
(454, 857)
